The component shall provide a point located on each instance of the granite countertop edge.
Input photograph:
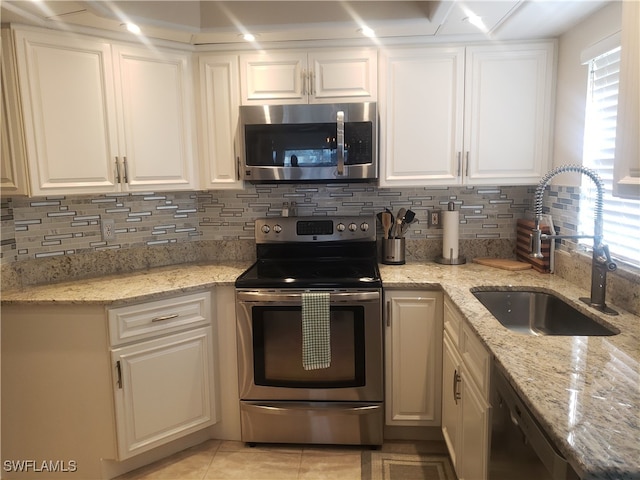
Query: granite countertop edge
(583, 390)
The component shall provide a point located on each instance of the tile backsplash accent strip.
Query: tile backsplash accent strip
(60, 225)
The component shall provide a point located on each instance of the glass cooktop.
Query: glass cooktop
(312, 273)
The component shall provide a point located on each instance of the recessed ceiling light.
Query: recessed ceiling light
(476, 21)
(131, 27)
(248, 37)
(367, 32)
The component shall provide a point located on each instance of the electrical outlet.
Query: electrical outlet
(434, 218)
(108, 229)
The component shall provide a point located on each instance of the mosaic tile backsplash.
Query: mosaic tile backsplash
(68, 225)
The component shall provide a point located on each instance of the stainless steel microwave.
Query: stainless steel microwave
(310, 143)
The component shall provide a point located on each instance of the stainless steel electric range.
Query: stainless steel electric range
(282, 398)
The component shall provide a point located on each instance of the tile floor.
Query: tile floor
(227, 460)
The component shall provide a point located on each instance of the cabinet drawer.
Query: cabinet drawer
(476, 359)
(452, 322)
(146, 320)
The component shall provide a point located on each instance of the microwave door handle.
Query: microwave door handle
(340, 141)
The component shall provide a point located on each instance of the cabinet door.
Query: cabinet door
(413, 358)
(626, 171)
(451, 398)
(421, 115)
(66, 91)
(157, 127)
(13, 174)
(273, 77)
(163, 390)
(508, 114)
(343, 76)
(219, 101)
(474, 434)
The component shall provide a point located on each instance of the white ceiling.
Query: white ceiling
(214, 22)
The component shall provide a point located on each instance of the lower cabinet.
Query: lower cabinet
(413, 357)
(162, 382)
(84, 387)
(466, 412)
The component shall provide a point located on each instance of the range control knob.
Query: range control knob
(265, 229)
(277, 228)
(364, 226)
(340, 227)
(353, 227)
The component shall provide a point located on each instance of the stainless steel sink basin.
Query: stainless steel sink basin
(539, 313)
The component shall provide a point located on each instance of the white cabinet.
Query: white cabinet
(626, 176)
(322, 76)
(157, 128)
(13, 173)
(103, 118)
(413, 357)
(163, 369)
(219, 88)
(421, 113)
(475, 115)
(466, 412)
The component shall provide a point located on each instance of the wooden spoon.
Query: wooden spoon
(386, 224)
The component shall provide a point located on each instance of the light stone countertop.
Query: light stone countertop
(141, 286)
(584, 391)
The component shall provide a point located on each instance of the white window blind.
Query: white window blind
(621, 216)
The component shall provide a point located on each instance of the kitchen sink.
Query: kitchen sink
(539, 313)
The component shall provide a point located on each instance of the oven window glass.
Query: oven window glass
(277, 349)
(307, 145)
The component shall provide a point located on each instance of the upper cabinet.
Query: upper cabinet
(104, 118)
(421, 111)
(322, 76)
(13, 174)
(476, 115)
(627, 164)
(219, 89)
(154, 89)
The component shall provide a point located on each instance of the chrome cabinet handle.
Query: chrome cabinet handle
(118, 179)
(312, 80)
(466, 167)
(126, 170)
(456, 381)
(119, 374)
(164, 318)
(303, 78)
(388, 313)
(459, 164)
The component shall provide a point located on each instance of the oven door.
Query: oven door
(269, 326)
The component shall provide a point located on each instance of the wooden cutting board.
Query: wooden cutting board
(503, 263)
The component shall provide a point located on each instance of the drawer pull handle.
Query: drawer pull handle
(164, 318)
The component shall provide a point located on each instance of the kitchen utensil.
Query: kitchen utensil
(386, 224)
(408, 218)
(393, 218)
(398, 222)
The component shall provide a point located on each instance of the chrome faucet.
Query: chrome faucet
(601, 262)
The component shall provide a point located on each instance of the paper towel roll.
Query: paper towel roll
(450, 225)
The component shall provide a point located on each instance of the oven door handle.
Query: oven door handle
(297, 296)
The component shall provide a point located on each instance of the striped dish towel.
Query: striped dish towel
(316, 341)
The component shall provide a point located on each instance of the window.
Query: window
(621, 216)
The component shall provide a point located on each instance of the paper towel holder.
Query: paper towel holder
(450, 260)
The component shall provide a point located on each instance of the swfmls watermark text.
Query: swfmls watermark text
(48, 466)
